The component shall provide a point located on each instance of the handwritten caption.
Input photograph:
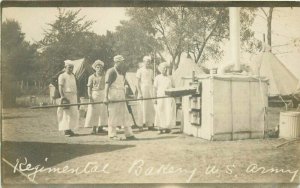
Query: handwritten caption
(140, 168)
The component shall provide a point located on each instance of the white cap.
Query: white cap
(68, 62)
(118, 58)
(146, 58)
(98, 62)
(163, 65)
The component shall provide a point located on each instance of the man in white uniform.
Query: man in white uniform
(165, 117)
(68, 117)
(96, 113)
(118, 114)
(145, 90)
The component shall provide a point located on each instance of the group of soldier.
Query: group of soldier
(108, 86)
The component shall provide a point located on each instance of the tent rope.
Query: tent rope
(285, 104)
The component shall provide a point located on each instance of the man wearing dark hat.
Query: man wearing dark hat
(118, 114)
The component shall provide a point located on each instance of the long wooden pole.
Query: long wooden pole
(101, 102)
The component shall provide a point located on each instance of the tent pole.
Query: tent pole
(154, 64)
(234, 21)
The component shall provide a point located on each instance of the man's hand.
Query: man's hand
(91, 99)
(105, 101)
(140, 96)
(126, 90)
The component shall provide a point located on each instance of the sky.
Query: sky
(285, 27)
(34, 20)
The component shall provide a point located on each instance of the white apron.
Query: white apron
(97, 113)
(68, 118)
(165, 116)
(147, 106)
(118, 114)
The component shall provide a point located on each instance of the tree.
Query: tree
(69, 37)
(166, 24)
(208, 27)
(268, 16)
(18, 60)
(98, 47)
(133, 43)
(249, 42)
(199, 31)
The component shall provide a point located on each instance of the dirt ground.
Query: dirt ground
(168, 158)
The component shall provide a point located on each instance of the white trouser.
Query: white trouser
(118, 114)
(96, 113)
(147, 106)
(68, 118)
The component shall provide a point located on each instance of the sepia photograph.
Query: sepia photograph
(150, 94)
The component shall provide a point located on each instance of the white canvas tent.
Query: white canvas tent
(186, 68)
(82, 71)
(281, 81)
(81, 68)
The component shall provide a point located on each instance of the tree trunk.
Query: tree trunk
(269, 20)
(172, 65)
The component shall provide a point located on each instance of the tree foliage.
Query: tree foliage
(199, 31)
(68, 37)
(18, 55)
(133, 43)
(249, 42)
(166, 24)
(18, 59)
(208, 27)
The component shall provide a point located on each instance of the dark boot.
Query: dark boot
(94, 131)
(131, 138)
(100, 129)
(69, 133)
(151, 128)
(168, 130)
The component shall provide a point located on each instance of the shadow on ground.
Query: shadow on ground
(157, 138)
(36, 152)
(16, 117)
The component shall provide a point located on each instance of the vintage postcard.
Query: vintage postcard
(150, 94)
